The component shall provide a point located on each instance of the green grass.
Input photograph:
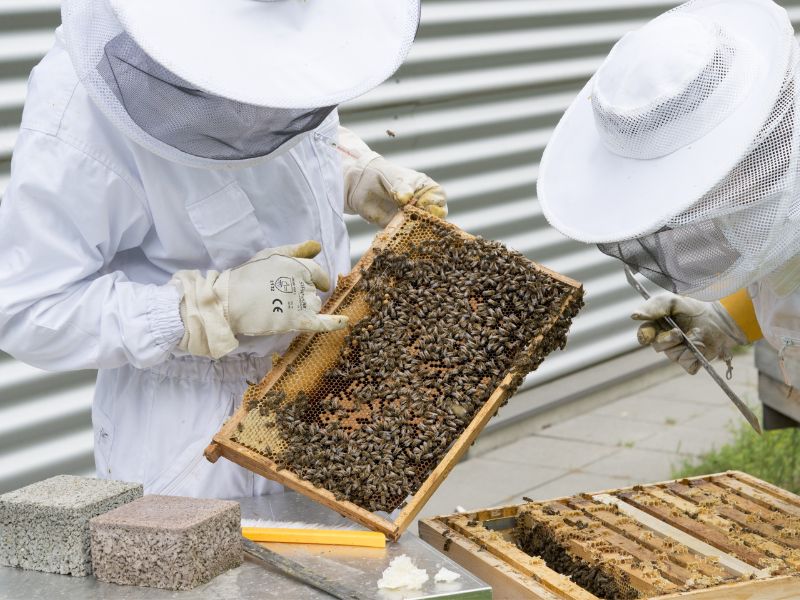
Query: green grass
(773, 457)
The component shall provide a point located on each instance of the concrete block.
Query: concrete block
(45, 526)
(167, 542)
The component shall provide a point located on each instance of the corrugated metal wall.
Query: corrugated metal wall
(473, 106)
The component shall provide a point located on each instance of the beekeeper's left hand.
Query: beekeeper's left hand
(274, 292)
(376, 188)
(707, 324)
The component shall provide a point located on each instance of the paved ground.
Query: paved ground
(635, 438)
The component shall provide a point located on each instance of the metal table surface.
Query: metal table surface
(358, 568)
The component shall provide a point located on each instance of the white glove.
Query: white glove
(376, 189)
(707, 324)
(273, 292)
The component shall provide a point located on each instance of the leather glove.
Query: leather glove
(376, 189)
(707, 324)
(274, 292)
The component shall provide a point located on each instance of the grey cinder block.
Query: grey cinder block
(45, 526)
(166, 542)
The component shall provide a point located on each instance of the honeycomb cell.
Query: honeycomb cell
(439, 321)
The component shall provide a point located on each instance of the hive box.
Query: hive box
(45, 526)
(166, 542)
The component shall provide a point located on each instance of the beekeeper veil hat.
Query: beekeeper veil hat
(205, 82)
(680, 156)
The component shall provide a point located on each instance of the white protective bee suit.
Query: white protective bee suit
(103, 209)
(681, 158)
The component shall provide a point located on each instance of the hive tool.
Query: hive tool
(743, 408)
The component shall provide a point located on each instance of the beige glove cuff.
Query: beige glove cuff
(356, 156)
(206, 330)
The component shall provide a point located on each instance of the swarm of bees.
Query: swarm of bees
(448, 320)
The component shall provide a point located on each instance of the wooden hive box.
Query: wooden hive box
(252, 438)
(781, 402)
(728, 536)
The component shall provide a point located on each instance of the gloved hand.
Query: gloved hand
(273, 292)
(707, 324)
(376, 189)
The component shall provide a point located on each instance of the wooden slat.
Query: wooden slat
(730, 563)
(748, 538)
(645, 582)
(745, 504)
(760, 496)
(649, 502)
(680, 558)
(513, 556)
(259, 464)
(774, 490)
(781, 588)
(506, 581)
(731, 512)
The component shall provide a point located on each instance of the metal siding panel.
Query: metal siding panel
(473, 106)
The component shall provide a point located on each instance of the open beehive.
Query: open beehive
(369, 420)
(719, 537)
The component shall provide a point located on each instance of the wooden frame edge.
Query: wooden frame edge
(779, 588)
(253, 461)
(485, 565)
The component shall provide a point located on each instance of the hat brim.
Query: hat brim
(279, 53)
(593, 195)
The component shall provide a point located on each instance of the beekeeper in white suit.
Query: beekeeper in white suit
(175, 206)
(680, 158)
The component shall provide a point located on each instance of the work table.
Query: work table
(358, 568)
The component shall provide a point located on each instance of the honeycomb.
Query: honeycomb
(550, 533)
(439, 321)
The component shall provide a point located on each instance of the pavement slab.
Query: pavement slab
(637, 465)
(571, 484)
(551, 452)
(600, 429)
(479, 483)
(653, 409)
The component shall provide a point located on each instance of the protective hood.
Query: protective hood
(680, 155)
(209, 84)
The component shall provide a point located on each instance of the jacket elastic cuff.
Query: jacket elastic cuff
(740, 308)
(164, 316)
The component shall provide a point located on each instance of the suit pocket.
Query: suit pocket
(228, 226)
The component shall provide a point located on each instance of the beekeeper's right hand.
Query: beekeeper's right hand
(707, 324)
(274, 292)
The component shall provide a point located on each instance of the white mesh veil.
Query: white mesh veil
(166, 114)
(742, 229)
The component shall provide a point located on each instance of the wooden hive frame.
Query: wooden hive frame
(223, 444)
(665, 519)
